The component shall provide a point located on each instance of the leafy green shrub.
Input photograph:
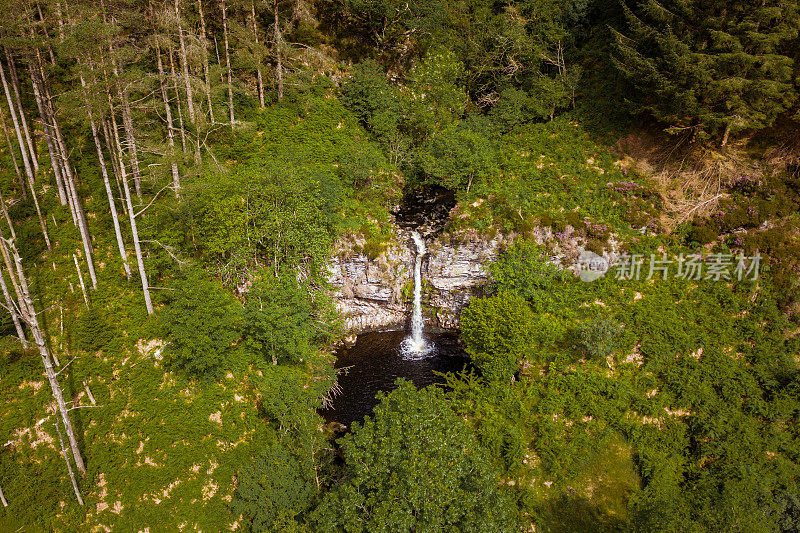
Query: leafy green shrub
(703, 233)
(377, 103)
(437, 98)
(456, 157)
(499, 332)
(524, 268)
(273, 490)
(202, 322)
(600, 337)
(92, 331)
(361, 166)
(373, 248)
(547, 95)
(278, 318)
(512, 109)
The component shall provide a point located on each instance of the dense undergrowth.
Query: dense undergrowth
(692, 381)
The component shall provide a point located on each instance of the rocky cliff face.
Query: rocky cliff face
(368, 292)
(375, 293)
(455, 272)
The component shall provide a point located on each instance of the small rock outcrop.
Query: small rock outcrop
(455, 272)
(368, 292)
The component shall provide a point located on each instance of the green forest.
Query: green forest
(177, 177)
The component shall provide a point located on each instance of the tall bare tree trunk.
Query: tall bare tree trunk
(7, 217)
(137, 247)
(206, 69)
(24, 152)
(66, 169)
(278, 51)
(104, 170)
(48, 134)
(84, 231)
(28, 138)
(132, 219)
(127, 124)
(219, 61)
(60, 17)
(20, 178)
(62, 156)
(22, 147)
(80, 280)
(11, 269)
(176, 179)
(89, 392)
(29, 315)
(109, 142)
(72, 192)
(185, 63)
(228, 61)
(80, 215)
(43, 24)
(178, 96)
(69, 465)
(12, 310)
(6, 294)
(258, 66)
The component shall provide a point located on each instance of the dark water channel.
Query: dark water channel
(425, 209)
(375, 361)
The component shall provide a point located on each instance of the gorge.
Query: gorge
(382, 352)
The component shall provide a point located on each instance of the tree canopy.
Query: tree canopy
(415, 466)
(710, 65)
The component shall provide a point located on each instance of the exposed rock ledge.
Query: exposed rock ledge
(374, 294)
(369, 293)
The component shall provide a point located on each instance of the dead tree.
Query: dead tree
(30, 317)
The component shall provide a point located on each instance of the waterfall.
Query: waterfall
(415, 345)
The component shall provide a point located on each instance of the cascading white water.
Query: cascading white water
(415, 345)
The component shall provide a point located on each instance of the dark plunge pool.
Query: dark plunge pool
(375, 361)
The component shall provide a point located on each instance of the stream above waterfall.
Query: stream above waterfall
(374, 363)
(425, 209)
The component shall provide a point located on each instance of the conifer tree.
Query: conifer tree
(712, 66)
